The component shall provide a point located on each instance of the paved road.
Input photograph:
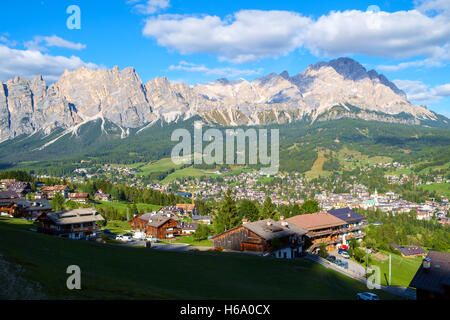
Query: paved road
(404, 292)
(353, 267)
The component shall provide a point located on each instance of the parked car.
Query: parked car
(345, 255)
(342, 264)
(124, 238)
(367, 296)
(331, 258)
(139, 236)
(341, 250)
(152, 239)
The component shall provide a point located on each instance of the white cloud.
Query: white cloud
(30, 63)
(401, 34)
(419, 92)
(434, 6)
(4, 39)
(149, 6)
(406, 65)
(251, 35)
(443, 91)
(221, 72)
(52, 41)
(248, 35)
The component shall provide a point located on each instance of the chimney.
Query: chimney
(349, 215)
(244, 221)
(269, 223)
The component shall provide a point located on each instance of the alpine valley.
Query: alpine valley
(112, 114)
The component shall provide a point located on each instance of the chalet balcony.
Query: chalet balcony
(332, 232)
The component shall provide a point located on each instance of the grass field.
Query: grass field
(122, 206)
(403, 269)
(118, 227)
(190, 240)
(317, 168)
(440, 188)
(116, 272)
(165, 164)
(351, 159)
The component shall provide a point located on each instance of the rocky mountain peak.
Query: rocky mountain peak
(119, 96)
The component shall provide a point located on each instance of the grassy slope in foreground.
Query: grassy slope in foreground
(110, 271)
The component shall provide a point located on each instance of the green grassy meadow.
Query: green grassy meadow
(115, 272)
(402, 272)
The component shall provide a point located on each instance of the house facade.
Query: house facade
(355, 223)
(279, 239)
(322, 228)
(157, 225)
(79, 197)
(49, 192)
(30, 209)
(101, 196)
(74, 224)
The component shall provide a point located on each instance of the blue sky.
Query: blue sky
(202, 40)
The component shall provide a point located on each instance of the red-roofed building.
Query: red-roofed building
(79, 197)
(50, 192)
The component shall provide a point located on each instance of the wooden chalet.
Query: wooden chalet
(49, 192)
(21, 188)
(158, 225)
(101, 196)
(432, 280)
(74, 224)
(280, 239)
(6, 197)
(202, 219)
(29, 209)
(187, 228)
(322, 228)
(79, 197)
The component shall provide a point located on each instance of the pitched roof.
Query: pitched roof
(81, 215)
(54, 188)
(347, 215)
(187, 226)
(437, 276)
(194, 217)
(41, 204)
(78, 195)
(9, 194)
(315, 221)
(409, 251)
(155, 220)
(275, 230)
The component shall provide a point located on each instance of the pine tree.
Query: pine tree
(268, 210)
(227, 216)
(58, 202)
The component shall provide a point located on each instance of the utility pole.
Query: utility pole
(367, 263)
(390, 259)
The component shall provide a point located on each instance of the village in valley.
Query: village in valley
(335, 221)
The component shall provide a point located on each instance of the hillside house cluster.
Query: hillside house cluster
(334, 228)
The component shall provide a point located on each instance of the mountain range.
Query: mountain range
(340, 88)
